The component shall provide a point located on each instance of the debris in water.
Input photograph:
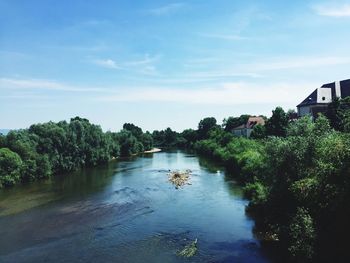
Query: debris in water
(179, 178)
(189, 250)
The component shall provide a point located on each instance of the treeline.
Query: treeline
(169, 139)
(297, 178)
(52, 148)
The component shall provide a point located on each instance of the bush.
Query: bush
(10, 167)
(301, 236)
(256, 192)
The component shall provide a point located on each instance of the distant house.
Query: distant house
(246, 129)
(317, 101)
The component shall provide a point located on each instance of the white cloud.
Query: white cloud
(233, 93)
(260, 68)
(332, 10)
(230, 93)
(224, 36)
(297, 62)
(167, 9)
(145, 61)
(106, 63)
(43, 84)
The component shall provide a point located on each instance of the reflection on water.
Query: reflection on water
(128, 212)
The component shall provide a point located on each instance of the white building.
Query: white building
(317, 101)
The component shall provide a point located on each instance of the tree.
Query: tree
(302, 235)
(190, 137)
(333, 113)
(205, 126)
(135, 130)
(338, 112)
(10, 167)
(259, 132)
(277, 124)
(170, 137)
(147, 141)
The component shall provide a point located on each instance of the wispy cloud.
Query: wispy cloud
(167, 9)
(100, 46)
(297, 62)
(144, 65)
(235, 93)
(228, 93)
(224, 36)
(329, 9)
(106, 63)
(43, 84)
(144, 61)
(259, 68)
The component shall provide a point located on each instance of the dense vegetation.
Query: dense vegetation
(295, 171)
(52, 148)
(297, 180)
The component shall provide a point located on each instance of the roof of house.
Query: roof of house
(252, 121)
(312, 99)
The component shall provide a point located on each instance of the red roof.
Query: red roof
(252, 121)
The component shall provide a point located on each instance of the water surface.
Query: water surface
(127, 211)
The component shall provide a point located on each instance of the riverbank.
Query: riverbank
(154, 150)
(290, 181)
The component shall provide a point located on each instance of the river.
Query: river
(127, 211)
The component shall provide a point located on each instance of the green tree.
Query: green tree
(338, 113)
(10, 167)
(135, 130)
(277, 124)
(232, 122)
(302, 236)
(259, 132)
(128, 143)
(205, 126)
(190, 136)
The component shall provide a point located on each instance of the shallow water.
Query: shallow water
(129, 212)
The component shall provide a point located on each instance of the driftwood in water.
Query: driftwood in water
(189, 250)
(179, 178)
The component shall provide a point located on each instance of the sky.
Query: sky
(162, 64)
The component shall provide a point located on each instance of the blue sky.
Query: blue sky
(165, 64)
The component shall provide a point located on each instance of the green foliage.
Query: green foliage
(277, 124)
(304, 190)
(10, 167)
(135, 130)
(301, 236)
(51, 148)
(190, 137)
(259, 132)
(205, 126)
(305, 164)
(168, 138)
(256, 192)
(338, 113)
(236, 152)
(147, 141)
(128, 143)
(233, 122)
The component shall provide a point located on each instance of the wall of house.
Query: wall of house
(312, 110)
(304, 110)
(245, 132)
